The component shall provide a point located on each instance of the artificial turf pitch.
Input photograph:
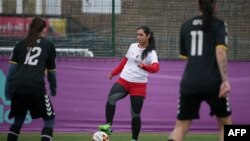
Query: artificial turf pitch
(114, 137)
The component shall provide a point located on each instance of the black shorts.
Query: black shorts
(39, 105)
(189, 105)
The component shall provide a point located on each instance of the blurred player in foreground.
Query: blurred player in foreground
(25, 85)
(203, 42)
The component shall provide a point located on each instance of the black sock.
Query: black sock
(47, 134)
(136, 127)
(110, 112)
(170, 140)
(14, 132)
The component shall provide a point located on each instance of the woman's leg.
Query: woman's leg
(116, 93)
(136, 107)
(47, 131)
(180, 130)
(15, 128)
(221, 122)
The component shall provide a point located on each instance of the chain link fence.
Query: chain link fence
(90, 24)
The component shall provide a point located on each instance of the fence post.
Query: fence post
(113, 28)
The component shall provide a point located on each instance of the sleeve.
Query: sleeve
(154, 57)
(52, 82)
(11, 69)
(154, 66)
(127, 54)
(51, 65)
(183, 50)
(14, 55)
(121, 65)
(222, 36)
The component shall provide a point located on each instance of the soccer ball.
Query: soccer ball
(100, 136)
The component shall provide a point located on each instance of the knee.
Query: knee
(49, 123)
(112, 100)
(135, 115)
(15, 128)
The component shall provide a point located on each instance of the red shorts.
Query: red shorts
(134, 89)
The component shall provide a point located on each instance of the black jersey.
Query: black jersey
(32, 63)
(199, 46)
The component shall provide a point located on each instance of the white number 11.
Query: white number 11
(196, 45)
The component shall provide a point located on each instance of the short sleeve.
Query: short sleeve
(127, 54)
(14, 55)
(222, 35)
(154, 57)
(183, 50)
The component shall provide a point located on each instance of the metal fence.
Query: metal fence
(93, 24)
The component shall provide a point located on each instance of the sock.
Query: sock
(47, 134)
(136, 127)
(110, 112)
(13, 133)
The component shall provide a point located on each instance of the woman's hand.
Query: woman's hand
(224, 89)
(110, 75)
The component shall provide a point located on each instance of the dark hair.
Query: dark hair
(35, 28)
(207, 9)
(151, 42)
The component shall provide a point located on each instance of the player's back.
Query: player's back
(199, 46)
(31, 63)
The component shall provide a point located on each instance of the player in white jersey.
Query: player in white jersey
(140, 59)
(131, 71)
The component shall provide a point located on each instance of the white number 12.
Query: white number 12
(196, 45)
(32, 59)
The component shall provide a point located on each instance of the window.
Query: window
(1, 6)
(39, 7)
(53, 7)
(9, 6)
(29, 6)
(19, 6)
(100, 6)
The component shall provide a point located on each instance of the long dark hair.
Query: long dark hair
(35, 28)
(151, 41)
(207, 7)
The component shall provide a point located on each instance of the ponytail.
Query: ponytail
(36, 27)
(207, 9)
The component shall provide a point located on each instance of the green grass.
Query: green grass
(114, 137)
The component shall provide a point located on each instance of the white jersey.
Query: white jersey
(131, 72)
